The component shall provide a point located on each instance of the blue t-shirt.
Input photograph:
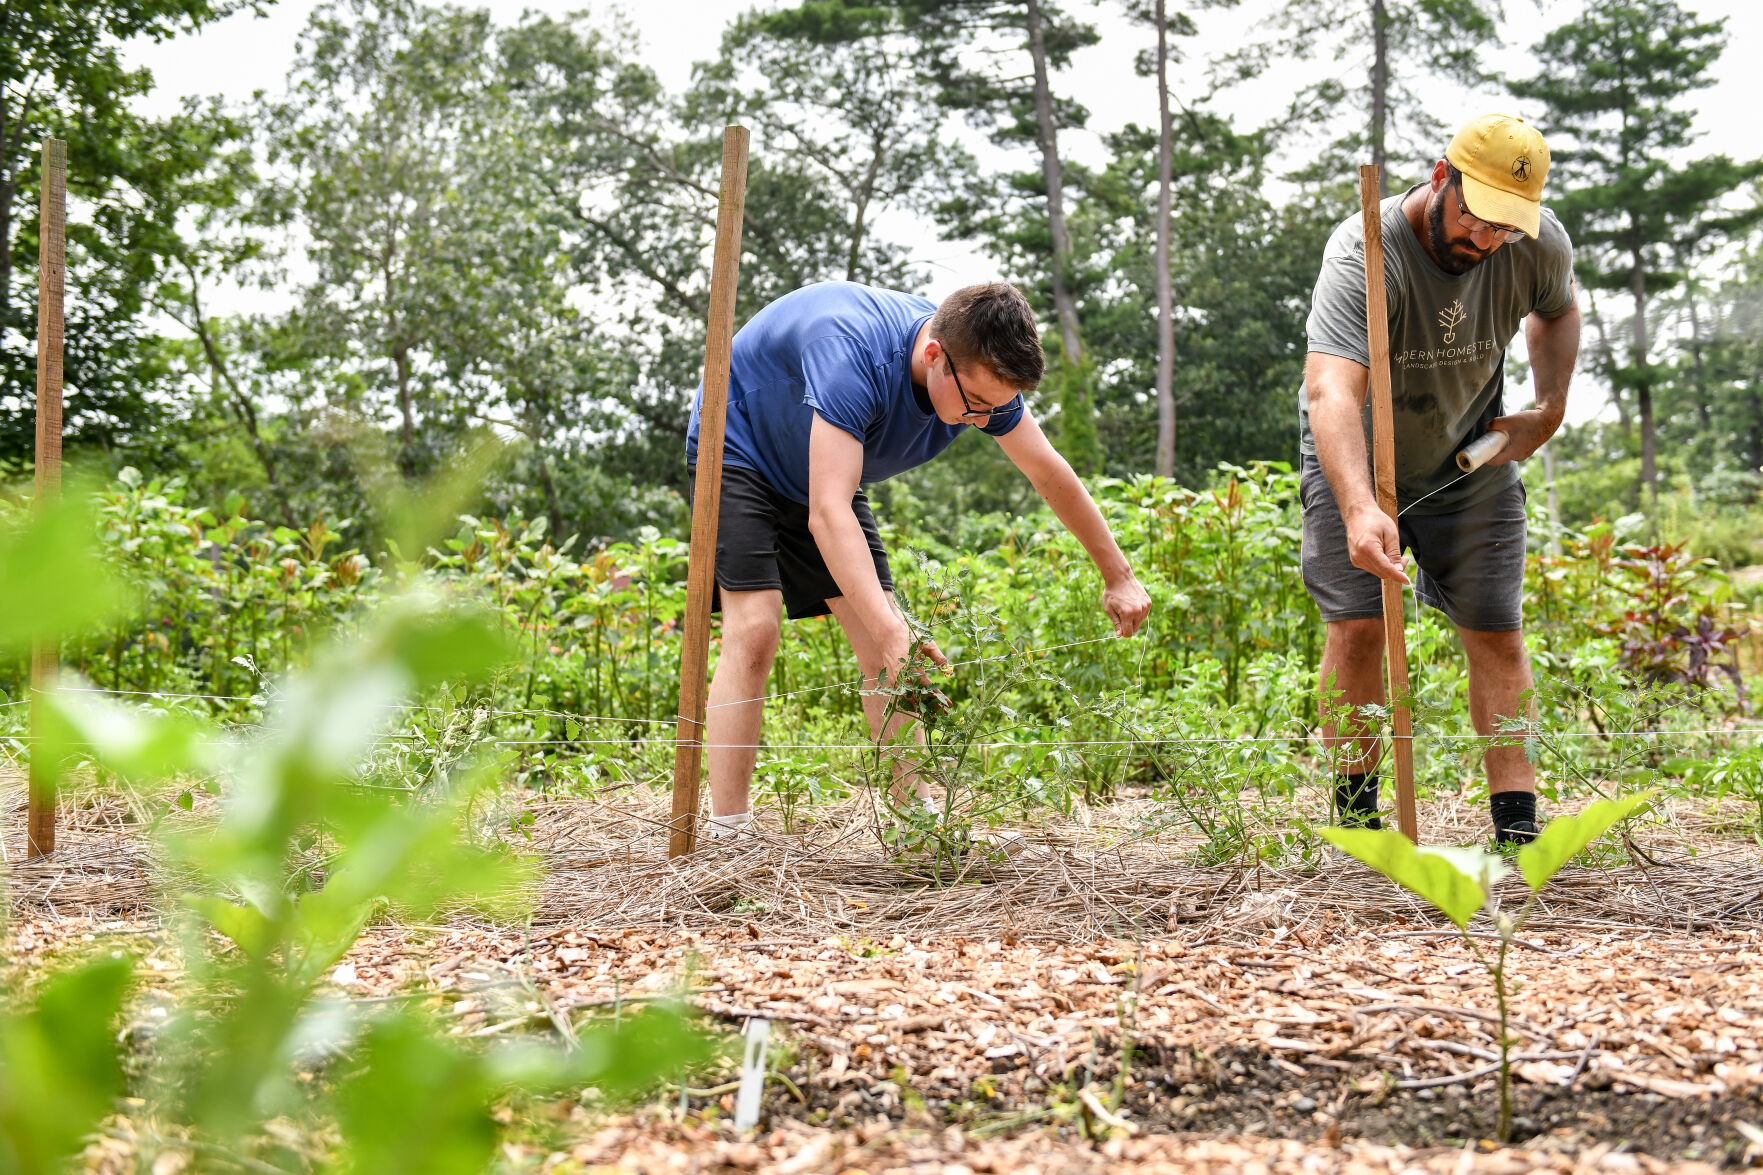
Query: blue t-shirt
(845, 351)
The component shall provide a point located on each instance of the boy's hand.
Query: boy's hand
(900, 648)
(1127, 604)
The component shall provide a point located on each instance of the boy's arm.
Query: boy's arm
(1124, 599)
(835, 468)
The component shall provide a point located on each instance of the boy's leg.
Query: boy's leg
(908, 781)
(751, 625)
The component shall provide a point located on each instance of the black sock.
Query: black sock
(1515, 817)
(1355, 801)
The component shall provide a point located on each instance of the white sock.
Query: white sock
(732, 825)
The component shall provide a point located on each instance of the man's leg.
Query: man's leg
(908, 780)
(1499, 674)
(1352, 676)
(751, 625)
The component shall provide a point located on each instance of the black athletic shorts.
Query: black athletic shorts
(1471, 562)
(763, 543)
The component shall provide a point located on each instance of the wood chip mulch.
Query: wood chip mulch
(894, 1039)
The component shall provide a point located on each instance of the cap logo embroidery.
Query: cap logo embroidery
(1451, 317)
(1521, 169)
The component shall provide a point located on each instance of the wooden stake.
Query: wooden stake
(1383, 442)
(688, 754)
(51, 289)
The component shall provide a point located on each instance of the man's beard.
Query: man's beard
(1453, 257)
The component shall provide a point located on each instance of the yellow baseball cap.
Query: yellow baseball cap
(1504, 162)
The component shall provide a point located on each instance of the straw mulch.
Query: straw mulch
(1094, 877)
(100, 867)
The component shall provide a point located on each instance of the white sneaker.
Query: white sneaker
(735, 826)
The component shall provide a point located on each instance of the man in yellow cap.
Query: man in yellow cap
(1468, 256)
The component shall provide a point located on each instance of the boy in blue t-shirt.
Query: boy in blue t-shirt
(832, 386)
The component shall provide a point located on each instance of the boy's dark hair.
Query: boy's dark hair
(992, 324)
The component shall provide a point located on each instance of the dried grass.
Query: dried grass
(1098, 875)
(1081, 879)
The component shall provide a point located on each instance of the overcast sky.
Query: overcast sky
(244, 53)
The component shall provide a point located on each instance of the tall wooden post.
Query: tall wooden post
(688, 754)
(51, 289)
(1383, 444)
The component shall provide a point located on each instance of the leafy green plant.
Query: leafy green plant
(1459, 881)
(309, 846)
(59, 1066)
(1738, 773)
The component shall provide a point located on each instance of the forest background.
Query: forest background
(443, 223)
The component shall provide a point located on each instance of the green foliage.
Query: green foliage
(1459, 881)
(311, 843)
(1664, 636)
(59, 1068)
(1455, 880)
(227, 604)
(1567, 836)
(1396, 43)
(48, 575)
(133, 184)
(1611, 83)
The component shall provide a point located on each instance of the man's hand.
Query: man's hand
(1375, 544)
(1527, 430)
(1127, 604)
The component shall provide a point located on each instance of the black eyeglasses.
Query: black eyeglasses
(1475, 224)
(973, 413)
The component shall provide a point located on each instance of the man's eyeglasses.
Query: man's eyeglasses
(1474, 224)
(973, 413)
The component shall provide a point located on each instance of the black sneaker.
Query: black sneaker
(1516, 836)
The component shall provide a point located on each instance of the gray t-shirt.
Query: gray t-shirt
(1448, 337)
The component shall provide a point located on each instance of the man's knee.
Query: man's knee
(751, 628)
(1355, 643)
(1496, 650)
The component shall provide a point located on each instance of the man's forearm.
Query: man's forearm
(1337, 425)
(1071, 503)
(1554, 348)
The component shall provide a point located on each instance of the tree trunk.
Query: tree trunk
(6, 193)
(243, 408)
(1755, 437)
(407, 445)
(553, 505)
(865, 192)
(1380, 89)
(1165, 466)
(1047, 136)
(1643, 383)
(1704, 410)
(1554, 501)
(8, 189)
(1607, 358)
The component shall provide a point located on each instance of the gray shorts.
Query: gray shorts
(1471, 562)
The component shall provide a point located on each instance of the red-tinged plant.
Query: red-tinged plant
(1667, 636)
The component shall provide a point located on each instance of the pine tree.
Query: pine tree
(1398, 40)
(1610, 84)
